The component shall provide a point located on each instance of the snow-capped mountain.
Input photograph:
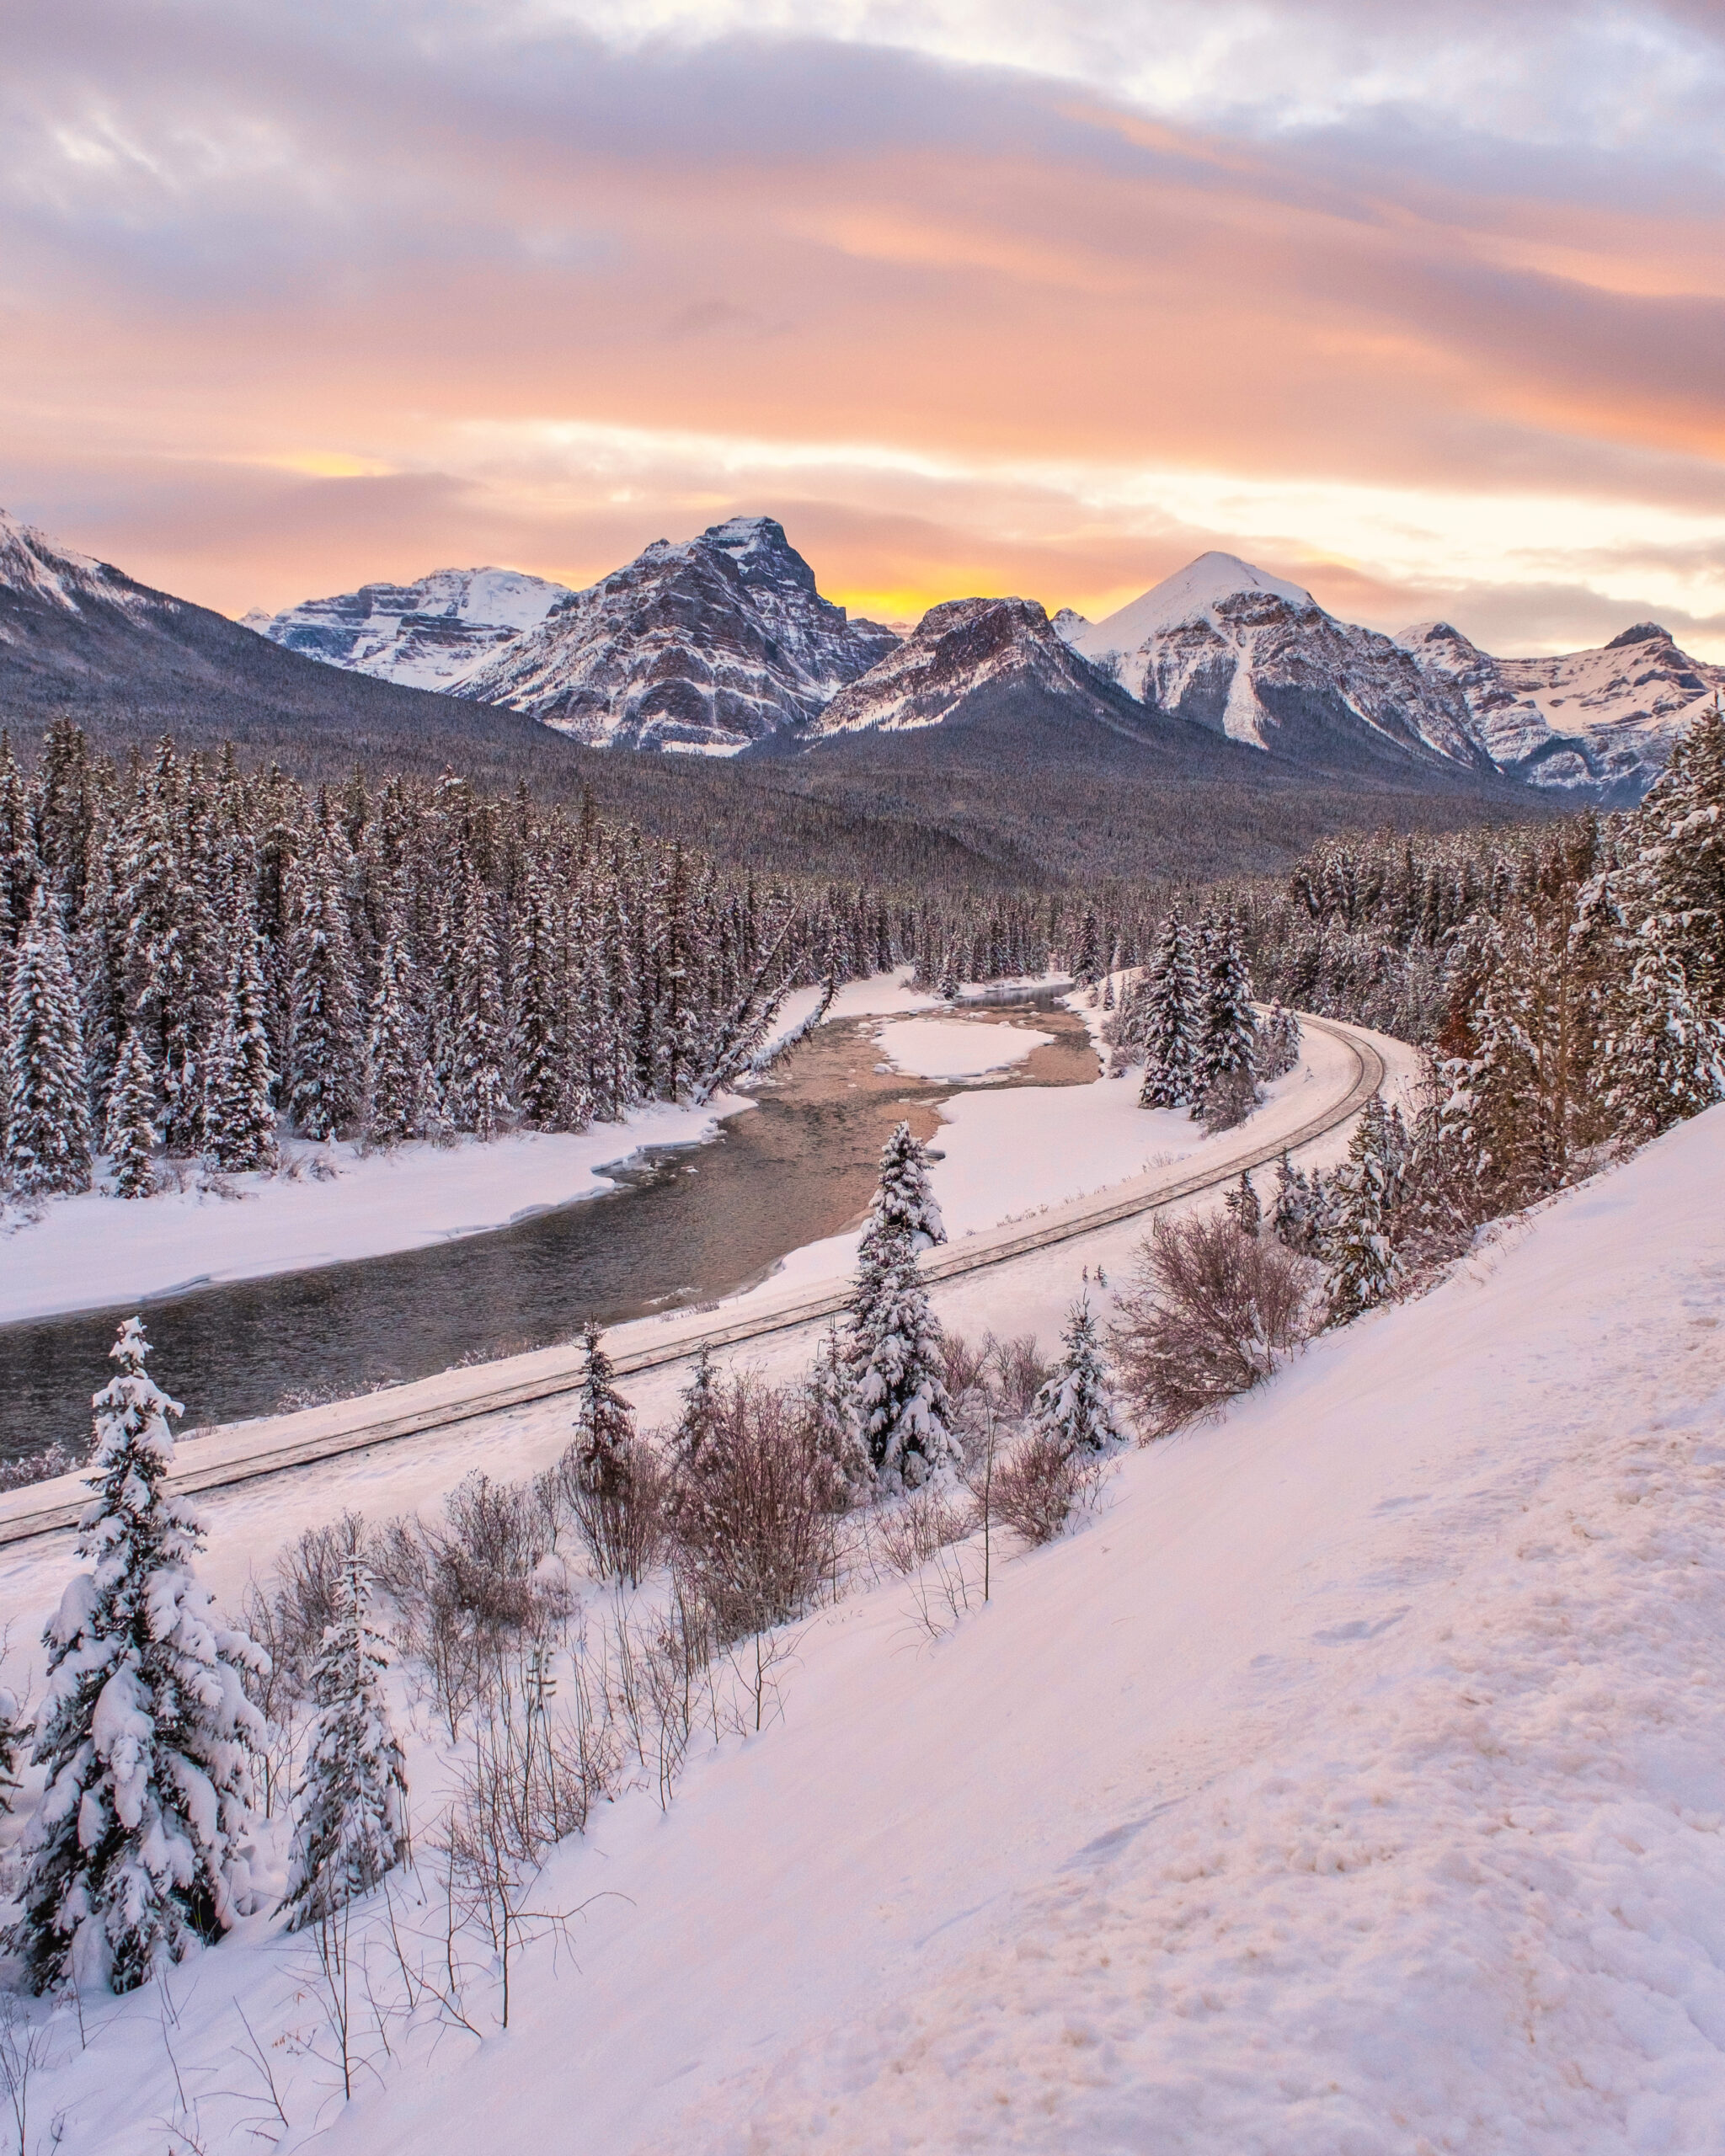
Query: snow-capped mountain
(1257, 659)
(957, 651)
(1599, 722)
(427, 634)
(33, 566)
(705, 645)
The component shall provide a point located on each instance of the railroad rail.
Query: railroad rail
(57, 1509)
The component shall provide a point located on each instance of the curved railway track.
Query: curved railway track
(275, 1452)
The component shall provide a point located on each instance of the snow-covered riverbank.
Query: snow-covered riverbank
(336, 1202)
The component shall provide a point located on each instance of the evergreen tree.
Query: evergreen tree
(1075, 1404)
(903, 1203)
(13, 1730)
(605, 1422)
(1295, 1218)
(539, 1040)
(692, 1440)
(241, 1108)
(1364, 1268)
(1278, 1044)
(351, 1806)
(903, 1409)
(1227, 1037)
(1167, 1014)
(326, 1077)
(1666, 1056)
(130, 1137)
(47, 1108)
(477, 1092)
(148, 1735)
(1242, 1206)
(395, 1047)
(829, 1398)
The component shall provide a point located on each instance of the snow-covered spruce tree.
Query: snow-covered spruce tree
(1364, 1268)
(326, 1087)
(829, 1397)
(241, 1106)
(605, 1422)
(478, 1091)
(1278, 1043)
(395, 1046)
(1076, 1403)
(47, 1108)
(13, 1730)
(1167, 1015)
(1296, 1213)
(699, 1420)
(1227, 1036)
(351, 1806)
(539, 1043)
(1242, 1207)
(1665, 1057)
(903, 1203)
(136, 1850)
(130, 1137)
(903, 1408)
(1676, 889)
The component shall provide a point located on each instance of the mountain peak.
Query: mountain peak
(1642, 632)
(1190, 595)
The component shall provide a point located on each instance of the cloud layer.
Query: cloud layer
(974, 297)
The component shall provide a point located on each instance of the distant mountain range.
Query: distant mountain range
(722, 645)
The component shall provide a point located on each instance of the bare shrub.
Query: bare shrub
(909, 1534)
(1040, 1483)
(618, 1504)
(753, 1518)
(963, 1367)
(1211, 1313)
(1019, 1373)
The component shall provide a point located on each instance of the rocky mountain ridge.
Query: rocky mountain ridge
(425, 635)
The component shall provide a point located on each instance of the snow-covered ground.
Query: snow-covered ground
(1353, 1783)
(957, 1048)
(337, 1203)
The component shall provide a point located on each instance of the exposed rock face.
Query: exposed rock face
(706, 645)
(1599, 723)
(38, 571)
(1258, 660)
(428, 634)
(958, 650)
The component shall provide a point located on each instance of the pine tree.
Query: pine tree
(1242, 1206)
(13, 1730)
(830, 1399)
(692, 1440)
(351, 1806)
(1227, 1036)
(605, 1422)
(326, 1077)
(241, 1111)
(1295, 1215)
(395, 1047)
(1364, 1268)
(130, 1137)
(1167, 1017)
(47, 1107)
(148, 1738)
(539, 1039)
(1666, 1057)
(1278, 1044)
(477, 1092)
(903, 1409)
(903, 1203)
(1075, 1404)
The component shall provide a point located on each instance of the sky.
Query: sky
(1423, 307)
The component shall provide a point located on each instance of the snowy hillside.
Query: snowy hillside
(426, 634)
(1600, 722)
(35, 567)
(1350, 1783)
(1257, 659)
(708, 644)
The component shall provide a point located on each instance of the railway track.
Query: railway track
(57, 1508)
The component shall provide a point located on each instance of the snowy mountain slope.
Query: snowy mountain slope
(1601, 722)
(1353, 1781)
(1257, 659)
(426, 634)
(710, 643)
(82, 638)
(960, 650)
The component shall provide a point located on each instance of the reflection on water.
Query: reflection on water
(688, 1225)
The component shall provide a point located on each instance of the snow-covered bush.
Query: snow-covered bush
(1209, 1313)
(1075, 1406)
(1039, 1483)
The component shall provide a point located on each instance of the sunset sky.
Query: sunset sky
(1424, 307)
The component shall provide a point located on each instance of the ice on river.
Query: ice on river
(957, 1048)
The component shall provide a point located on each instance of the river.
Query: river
(687, 1226)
